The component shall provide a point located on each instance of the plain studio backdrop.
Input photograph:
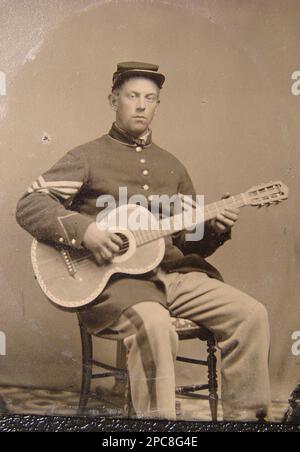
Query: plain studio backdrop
(227, 112)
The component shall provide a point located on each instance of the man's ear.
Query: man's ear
(113, 101)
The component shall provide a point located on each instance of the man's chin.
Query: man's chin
(138, 131)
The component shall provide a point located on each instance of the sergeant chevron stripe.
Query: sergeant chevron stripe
(63, 189)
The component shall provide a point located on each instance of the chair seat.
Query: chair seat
(186, 329)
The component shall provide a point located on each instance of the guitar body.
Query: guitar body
(71, 278)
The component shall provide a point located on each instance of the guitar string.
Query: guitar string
(122, 248)
(144, 236)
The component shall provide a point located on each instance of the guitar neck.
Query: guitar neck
(212, 210)
(177, 223)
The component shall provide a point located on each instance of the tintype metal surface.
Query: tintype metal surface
(229, 110)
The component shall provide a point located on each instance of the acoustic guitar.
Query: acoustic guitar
(71, 278)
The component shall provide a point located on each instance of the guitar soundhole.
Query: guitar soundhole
(125, 245)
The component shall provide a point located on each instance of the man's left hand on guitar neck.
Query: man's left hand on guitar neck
(225, 220)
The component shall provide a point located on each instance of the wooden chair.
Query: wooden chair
(186, 330)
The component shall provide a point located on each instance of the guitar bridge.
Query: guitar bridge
(68, 262)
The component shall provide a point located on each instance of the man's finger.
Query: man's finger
(115, 238)
(230, 215)
(112, 247)
(234, 210)
(226, 195)
(99, 259)
(224, 220)
(105, 253)
(220, 226)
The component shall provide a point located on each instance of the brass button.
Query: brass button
(146, 187)
(143, 160)
(61, 240)
(138, 149)
(73, 241)
(145, 172)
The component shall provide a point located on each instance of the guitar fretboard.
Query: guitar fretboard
(176, 223)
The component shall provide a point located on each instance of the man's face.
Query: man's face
(136, 104)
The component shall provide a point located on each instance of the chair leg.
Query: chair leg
(128, 408)
(212, 378)
(87, 353)
(122, 361)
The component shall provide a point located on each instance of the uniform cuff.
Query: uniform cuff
(73, 227)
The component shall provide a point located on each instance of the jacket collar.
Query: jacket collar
(121, 135)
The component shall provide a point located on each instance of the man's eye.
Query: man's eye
(151, 98)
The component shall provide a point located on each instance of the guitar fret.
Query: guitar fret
(212, 210)
(148, 236)
(142, 236)
(137, 237)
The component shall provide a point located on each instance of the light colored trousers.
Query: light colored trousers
(240, 325)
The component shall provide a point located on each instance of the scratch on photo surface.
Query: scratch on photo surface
(33, 52)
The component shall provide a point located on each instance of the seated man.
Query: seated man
(60, 206)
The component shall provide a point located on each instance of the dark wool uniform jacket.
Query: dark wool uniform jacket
(61, 204)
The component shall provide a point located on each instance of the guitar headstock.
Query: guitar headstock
(267, 194)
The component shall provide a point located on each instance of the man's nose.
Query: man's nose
(141, 104)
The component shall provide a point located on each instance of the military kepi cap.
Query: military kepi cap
(132, 68)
